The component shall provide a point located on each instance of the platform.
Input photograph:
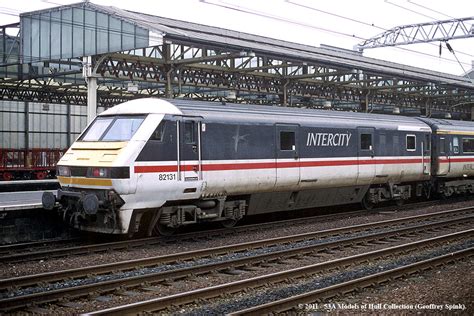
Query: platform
(11, 201)
(23, 219)
(29, 185)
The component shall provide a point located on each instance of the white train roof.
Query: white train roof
(143, 106)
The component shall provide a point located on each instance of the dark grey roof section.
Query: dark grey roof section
(192, 32)
(247, 113)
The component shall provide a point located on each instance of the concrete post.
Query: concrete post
(91, 80)
(91, 99)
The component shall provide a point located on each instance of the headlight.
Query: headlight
(63, 171)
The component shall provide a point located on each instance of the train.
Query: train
(26, 164)
(149, 166)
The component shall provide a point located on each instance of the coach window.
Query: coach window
(468, 145)
(287, 140)
(366, 141)
(411, 142)
(159, 132)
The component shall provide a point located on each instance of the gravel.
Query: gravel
(305, 286)
(451, 286)
(10, 270)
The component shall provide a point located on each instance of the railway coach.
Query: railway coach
(453, 156)
(152, 165)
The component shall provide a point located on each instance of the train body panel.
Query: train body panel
(158, 164)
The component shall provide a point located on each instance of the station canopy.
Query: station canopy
(135, 55)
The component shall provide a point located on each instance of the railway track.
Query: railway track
(170, 303)
(19, 293)
(58, 248)
(357, 284)
(54, 249)
(30, 247)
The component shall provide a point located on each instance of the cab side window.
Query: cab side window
(159, 133)
(189, 132)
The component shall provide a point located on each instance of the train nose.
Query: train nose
(48, 200)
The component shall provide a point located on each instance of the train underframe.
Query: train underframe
(440, 187)
(98, 210)
(168, 218)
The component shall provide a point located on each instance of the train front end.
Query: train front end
(97, 181)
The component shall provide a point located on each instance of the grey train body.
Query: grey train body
(153, 165)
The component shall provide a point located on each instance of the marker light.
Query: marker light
(63, 171)
(99, 172)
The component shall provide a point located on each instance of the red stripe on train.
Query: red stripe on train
(272, 165)
(446, 160)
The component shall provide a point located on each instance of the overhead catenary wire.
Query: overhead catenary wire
(451, 50)
(430, 9)
(408, 9)
(242, 9)
(359, 22)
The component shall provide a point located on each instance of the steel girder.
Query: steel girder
(422, 33)
(44, 92)
(253, 75)
(177, 70)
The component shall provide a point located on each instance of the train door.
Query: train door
(426, 154)
(189, 149)
(443, 162)
(366, 156)
(287, 155)
(455, 169)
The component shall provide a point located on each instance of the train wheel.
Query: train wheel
(367, 203)
(400, 202)
(229, 223)
(7, 176)
(427, 190)
(447, 193)
(163, 230)
(40, 175)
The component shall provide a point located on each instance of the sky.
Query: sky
(342, 23)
